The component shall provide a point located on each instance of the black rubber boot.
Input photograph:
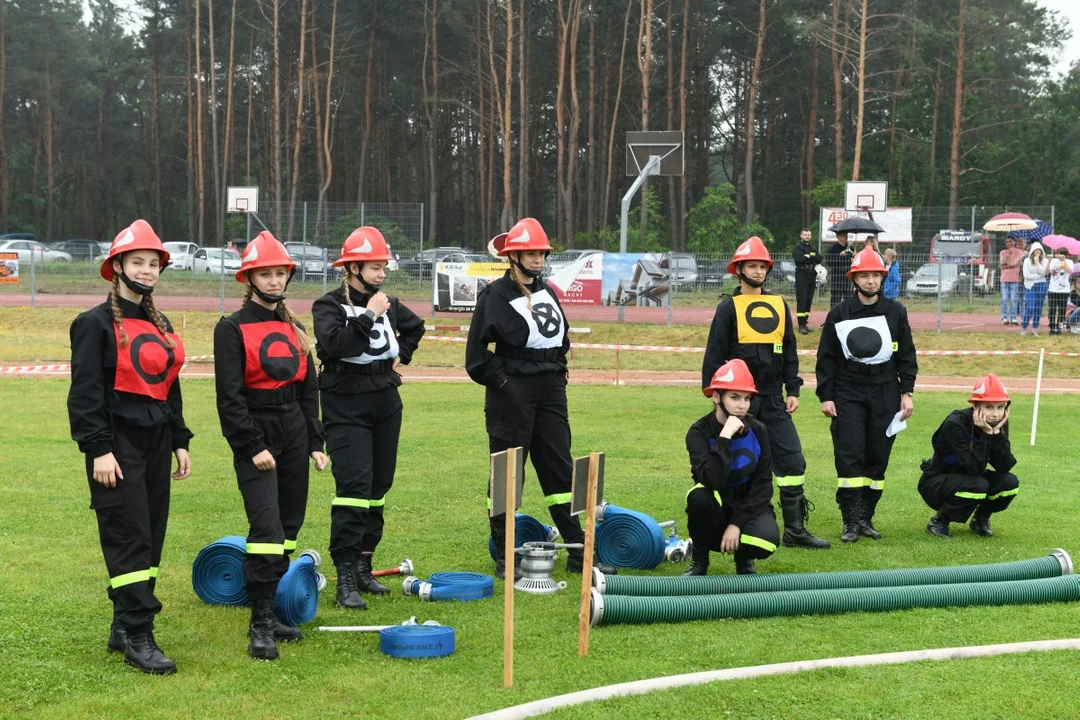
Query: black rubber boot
(575, 563)
(261, 630)
(498, 532)
(796, 510)
(867, 508)
(699, 562)
(803, 329)
(118, 637)
(849, 512)
(286, 633)
(142, 652)
(365, 581)
(939, 525)
(744, 565)
(980, 523)
(348, 595)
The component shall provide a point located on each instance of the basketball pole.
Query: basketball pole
(651, 168)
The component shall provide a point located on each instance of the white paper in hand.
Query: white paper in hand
(897, 426)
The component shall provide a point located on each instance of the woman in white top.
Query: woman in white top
(1035, 269)
(1057, 290)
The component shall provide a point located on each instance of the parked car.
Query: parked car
(421, 265)
(682, 268)
(715, 273)
(83, 249)
(215, 260)
(41, 252)
(311, 260)
(925, 281)
(18, 236)
(181, 254)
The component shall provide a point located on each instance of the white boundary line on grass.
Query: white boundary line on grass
(642, 687)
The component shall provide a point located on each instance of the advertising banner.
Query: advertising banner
(9, 268)
(896, 221)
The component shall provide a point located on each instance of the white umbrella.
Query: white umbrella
(1007, 222)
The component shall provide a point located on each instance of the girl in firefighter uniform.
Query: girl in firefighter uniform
(126, 414)
(956, 481)
(361, 336)
(268, 404)
(729, 510)
(525, 376)
(866, 370)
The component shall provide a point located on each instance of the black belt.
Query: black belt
(277, 396)
(546, 355)
(864, 369)
(372, 368)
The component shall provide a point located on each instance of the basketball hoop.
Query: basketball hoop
(242, 200)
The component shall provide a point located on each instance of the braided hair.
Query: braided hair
(118, 317)
(521, 286)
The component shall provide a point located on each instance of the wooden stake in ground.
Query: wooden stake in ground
(586, 570)
(508, 586)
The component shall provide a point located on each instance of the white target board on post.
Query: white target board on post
(242, 200)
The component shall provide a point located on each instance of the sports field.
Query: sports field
(55, 614)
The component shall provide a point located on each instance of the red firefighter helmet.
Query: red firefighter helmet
(136, 236)
(751, 249)
(866, 261)
(365, 244)
(526, 235)
(732, 375)
(989, 389)
(264, 251)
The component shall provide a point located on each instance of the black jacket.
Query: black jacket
(715, 462)
(495, 321)
(834, 368)
(340, 336)
(93, 403)
(840, 287)
(234, 408)
(960, 447)
(769, 368)
(806, 257)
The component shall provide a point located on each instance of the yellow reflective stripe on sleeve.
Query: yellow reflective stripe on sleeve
(129, 578)
(715, 493)
(351, 502)
(874, 484)
(489, 503)
(851, 482)
(790, 480)
(290, 545)
(757, 542)
(378, 502)
(1003, 493)
(971, 496)
(558, 499)
(153, 572)
(265, 548)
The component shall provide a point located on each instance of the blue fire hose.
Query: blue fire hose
(416, 641)
(526, 529)
(217, 575)
(450, 586)
(629, 539)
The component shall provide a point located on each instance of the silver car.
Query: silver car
(926, 283)
(216, 261)
(32, 249)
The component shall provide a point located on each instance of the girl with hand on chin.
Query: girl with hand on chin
(127, 415)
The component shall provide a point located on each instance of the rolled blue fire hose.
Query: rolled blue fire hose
(416, 641)
(526, 529)
(450, 586)
(629, 539)
(217, 575)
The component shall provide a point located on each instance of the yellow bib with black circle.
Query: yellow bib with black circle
(760, 319)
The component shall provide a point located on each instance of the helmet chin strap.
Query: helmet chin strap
(371, 289)
(751, 282)
(526, 271)
(136, 287)
(866, 293)
(267, 297)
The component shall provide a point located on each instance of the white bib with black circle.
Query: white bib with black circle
(546, 324)
(867, 341)
(384, 344)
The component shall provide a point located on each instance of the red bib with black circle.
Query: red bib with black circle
(147, 365)
(272, 357)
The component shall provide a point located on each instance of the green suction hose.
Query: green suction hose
(621, 609)
(1055, 564)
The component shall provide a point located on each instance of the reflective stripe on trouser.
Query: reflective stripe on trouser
(805, 284)
(958, 495)
(132, 519)
(788, 462)
(536, 420)
(707, 518)
(275, 500)
(861, 449)
(363, 453)
(290, 546)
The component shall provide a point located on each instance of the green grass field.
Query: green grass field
(55, 614)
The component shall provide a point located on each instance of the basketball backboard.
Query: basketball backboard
(667, 144)
(242, 200)
(866, 196)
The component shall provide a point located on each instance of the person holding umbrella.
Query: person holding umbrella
(836, 261)
(1057, 290)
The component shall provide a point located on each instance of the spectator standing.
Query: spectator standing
(837, 261)
(891, 288)
(1057, 291)
(1035, 270)
(1009, 261)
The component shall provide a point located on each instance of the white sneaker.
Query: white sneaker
(1034, 333)
(1023, 331)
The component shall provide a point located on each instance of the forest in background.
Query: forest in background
(490, 110)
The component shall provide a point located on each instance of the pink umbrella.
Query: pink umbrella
(1006, 222)
(1072, 245)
